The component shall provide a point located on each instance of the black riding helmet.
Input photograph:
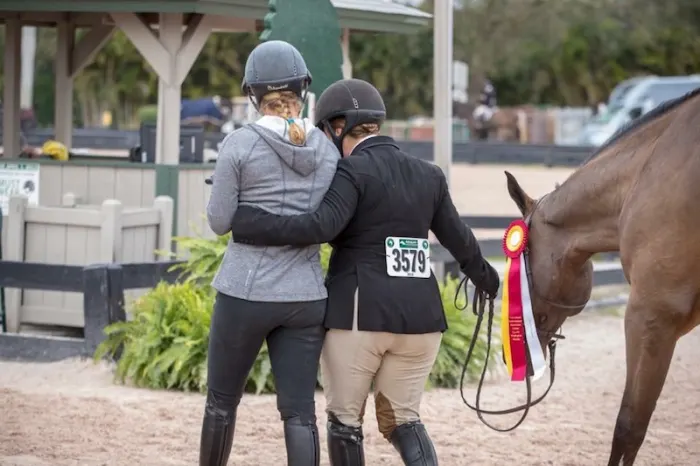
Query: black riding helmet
(275, 66)
(356, 100)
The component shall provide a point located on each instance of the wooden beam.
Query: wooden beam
(11, 91)
(193, 22)
(63, 109)
(88, 46)
(146, 42)
(49, 19)
(169, 92)
(193, 40)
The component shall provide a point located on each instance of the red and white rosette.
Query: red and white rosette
(518, 331)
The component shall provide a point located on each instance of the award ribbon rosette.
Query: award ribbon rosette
(518, 330)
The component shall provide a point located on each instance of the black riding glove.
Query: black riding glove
(484, 277)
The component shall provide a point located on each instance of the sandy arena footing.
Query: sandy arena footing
(70, 413)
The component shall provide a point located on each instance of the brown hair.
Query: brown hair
(286, 105)
(364, 129)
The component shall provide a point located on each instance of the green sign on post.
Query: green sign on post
(315, 33)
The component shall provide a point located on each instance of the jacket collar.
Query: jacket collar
(373, 142)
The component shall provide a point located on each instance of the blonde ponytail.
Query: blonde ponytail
(296, 133)
(286, 105)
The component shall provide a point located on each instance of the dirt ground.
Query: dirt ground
(482, 189)
(70, 413)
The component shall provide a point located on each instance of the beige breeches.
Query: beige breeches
(398, 364)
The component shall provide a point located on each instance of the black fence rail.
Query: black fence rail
(607, 271)
(504, 153)
(103, 287)
(463, 152)
(492, 247)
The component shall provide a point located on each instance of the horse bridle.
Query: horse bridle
(479, 308)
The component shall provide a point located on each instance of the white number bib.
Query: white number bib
(407, 257)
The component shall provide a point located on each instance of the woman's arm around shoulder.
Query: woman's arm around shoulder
(252, 225)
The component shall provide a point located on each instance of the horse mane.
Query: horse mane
(637, 123)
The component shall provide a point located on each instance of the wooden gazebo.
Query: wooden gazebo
(169, 34)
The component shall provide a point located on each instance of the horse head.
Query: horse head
(560, 284)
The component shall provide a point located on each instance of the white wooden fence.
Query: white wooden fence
(75, 234)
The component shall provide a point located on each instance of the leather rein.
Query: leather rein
(479, 309)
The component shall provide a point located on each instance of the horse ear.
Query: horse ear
(524, 202)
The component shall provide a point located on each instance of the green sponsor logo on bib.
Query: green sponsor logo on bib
(406, 243)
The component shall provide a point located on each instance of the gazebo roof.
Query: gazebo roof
(379, 16)
(362, 15)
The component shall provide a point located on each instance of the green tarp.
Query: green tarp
(316, 34)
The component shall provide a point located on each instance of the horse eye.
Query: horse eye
(542, 318)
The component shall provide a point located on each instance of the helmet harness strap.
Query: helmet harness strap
(304, 97)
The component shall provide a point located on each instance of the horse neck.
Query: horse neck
(585, 209)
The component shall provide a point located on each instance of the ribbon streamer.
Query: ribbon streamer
(518, 330)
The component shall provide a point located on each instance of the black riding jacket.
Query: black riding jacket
(378, 192)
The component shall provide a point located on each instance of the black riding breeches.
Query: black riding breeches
(294, 333)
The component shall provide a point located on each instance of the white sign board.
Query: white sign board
(460, 81)
(311, 106)
(18, 178)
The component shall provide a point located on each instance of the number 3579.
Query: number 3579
(409, 260)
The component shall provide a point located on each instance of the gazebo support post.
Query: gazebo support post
(171, 54)
(63, 104)
(71, 58)
(11, 95)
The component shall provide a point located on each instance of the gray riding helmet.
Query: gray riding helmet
(358, 101)
(275, 66)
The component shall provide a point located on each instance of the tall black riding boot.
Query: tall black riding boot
(344, 443)
(301, 439)
(411, 440)
(217, 435)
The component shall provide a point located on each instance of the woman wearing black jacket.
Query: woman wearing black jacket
(384, 316)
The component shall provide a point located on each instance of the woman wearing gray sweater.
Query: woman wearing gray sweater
(274, 294)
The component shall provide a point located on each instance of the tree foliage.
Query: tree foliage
(573, 52)
(560, 52)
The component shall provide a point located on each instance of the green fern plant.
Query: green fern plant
(203, 257)
(165, 343)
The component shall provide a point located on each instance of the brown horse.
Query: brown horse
(638, 194)
(502, 126)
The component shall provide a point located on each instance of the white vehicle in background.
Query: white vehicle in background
(630, 100)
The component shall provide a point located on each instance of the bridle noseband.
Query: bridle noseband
(479, 308)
